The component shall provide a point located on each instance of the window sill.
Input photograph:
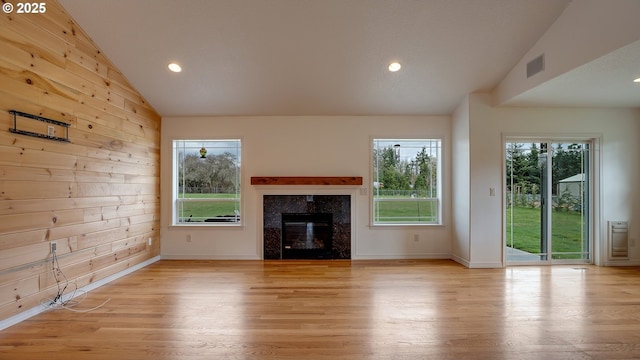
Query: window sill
(206, 226)
(405, 226)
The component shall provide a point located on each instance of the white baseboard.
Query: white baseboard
(426, 256)
(210, 257)
(460, 260)
(622, 263)
(15, 319)
(485, 265)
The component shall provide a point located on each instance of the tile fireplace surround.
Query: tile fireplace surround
(276, 205)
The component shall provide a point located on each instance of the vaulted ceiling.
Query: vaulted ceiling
(330, 57)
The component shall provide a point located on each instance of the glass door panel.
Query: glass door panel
(570, 182)
(526, 166)
(547, 202)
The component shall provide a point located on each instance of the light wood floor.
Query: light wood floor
(344, 310)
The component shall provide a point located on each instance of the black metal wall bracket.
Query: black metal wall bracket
(48, 135)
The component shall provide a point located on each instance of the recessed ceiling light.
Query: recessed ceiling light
(394, 66)
(175, 67)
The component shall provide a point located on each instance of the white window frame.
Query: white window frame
(436, 192)
(178, 202)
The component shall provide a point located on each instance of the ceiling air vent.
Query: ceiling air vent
(535, 66)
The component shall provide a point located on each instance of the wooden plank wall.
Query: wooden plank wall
(98, 197)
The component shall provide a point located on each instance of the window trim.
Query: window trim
(441, 187)
(174, 188)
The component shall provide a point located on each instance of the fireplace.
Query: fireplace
(307, 226)
(307, 236)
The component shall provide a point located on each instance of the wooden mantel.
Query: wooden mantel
(306, 180)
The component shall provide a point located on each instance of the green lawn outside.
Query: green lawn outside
(567, 225)
(388, 211)
(198, 211)
(567, 231)
(403, 211)
(207, 196)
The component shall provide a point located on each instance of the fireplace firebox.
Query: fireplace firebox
(307, 236)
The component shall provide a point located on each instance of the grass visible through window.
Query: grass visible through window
(525, 234)
(221, 205)
(394, 210)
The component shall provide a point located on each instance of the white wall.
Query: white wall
(618, 129)
(340, 146)
(585, 31)
(304, 146)
(461, 184)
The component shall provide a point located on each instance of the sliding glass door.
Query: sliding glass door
(547, 205)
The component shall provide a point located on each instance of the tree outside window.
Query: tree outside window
(207, 182)
(406, 181)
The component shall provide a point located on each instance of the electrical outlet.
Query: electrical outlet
(416, 237)
(188, 237)
(51, 131)
(54, 247)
